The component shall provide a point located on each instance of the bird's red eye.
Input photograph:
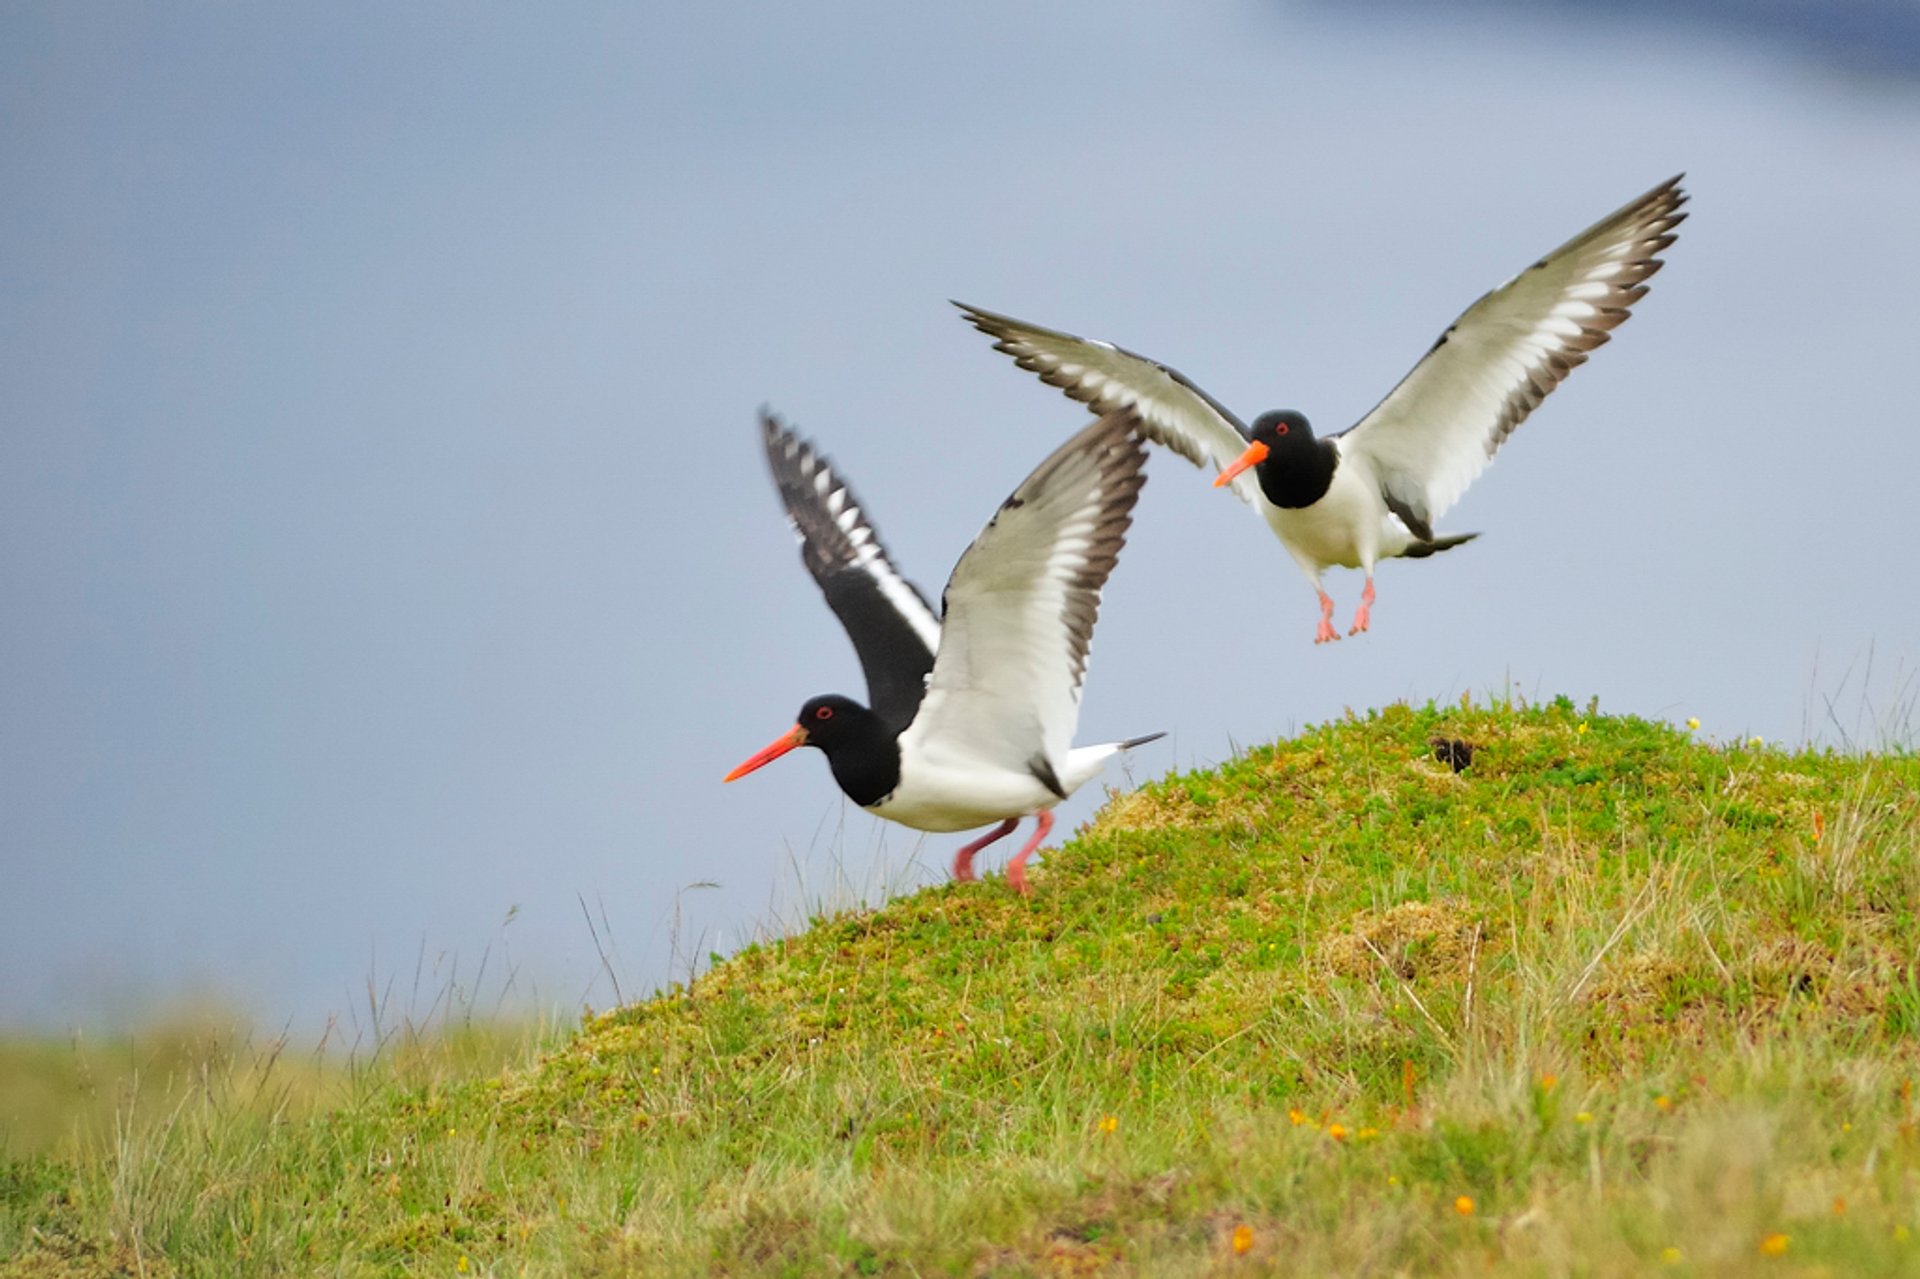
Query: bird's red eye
(1280, 429)
(824, 712)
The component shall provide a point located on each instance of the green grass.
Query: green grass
(1609, 1001)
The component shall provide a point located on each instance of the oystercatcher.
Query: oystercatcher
(1373, 491)
(973, 713)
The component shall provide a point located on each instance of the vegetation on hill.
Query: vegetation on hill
(1489, 990)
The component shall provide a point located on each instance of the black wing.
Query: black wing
(892, 627)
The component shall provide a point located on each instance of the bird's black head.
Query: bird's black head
(1277, 443)
(1283, 431)
(863, 753)
(831, 720)
(1294, 469)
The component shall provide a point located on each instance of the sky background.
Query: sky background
(387, 561)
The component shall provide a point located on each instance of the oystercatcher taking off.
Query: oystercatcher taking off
(1373, 491)
(973, 713)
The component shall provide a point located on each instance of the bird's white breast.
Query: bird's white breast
(1349, 526)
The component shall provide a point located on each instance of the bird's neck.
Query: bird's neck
(1300, 476)
(867, 764)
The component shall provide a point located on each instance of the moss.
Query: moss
(1320, 992)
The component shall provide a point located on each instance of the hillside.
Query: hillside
(1475, 990)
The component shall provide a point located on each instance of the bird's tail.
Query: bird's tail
(1084, 762)
(1420, 550)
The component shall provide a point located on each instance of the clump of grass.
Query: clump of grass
(1634, 1000)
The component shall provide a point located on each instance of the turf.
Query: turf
(1477, 990)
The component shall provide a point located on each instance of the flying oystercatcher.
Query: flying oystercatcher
(1373, 491)
(973, 713)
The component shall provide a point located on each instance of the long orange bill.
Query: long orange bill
(1256, 454)
(796, 736)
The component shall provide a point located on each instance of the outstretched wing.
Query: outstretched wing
(1169, 408)
(890, 623)
(1439, 428)
(1020, 607)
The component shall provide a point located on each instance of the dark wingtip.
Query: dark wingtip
(980, 319)
(1132, 742)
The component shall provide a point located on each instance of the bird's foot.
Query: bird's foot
(1361, 618)
(1326, 634)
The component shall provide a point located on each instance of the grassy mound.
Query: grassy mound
(1489, 990)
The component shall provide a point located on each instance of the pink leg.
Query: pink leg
(1326, 631)
(1366, 608)
(963, 860)
(1017, 868)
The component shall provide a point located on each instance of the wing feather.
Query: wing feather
(1021, 605)
(893, 629)
(1168, 407)
(1439, 428)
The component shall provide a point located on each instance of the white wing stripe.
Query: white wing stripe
(902, 597)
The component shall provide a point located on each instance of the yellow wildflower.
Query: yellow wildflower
(1109, 1122)
(1464, 1205)
(1774, 1244)
(1242, 1240)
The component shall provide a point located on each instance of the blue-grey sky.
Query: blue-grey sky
(384, 543)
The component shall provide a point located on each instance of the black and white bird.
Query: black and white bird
(973, 712)
(1373, 491)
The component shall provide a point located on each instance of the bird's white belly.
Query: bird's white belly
(1328, 532)
(930, 797)
(1350, 526)
(943, 789)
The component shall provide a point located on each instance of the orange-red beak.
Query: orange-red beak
(1256, 454)
(796, 736)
